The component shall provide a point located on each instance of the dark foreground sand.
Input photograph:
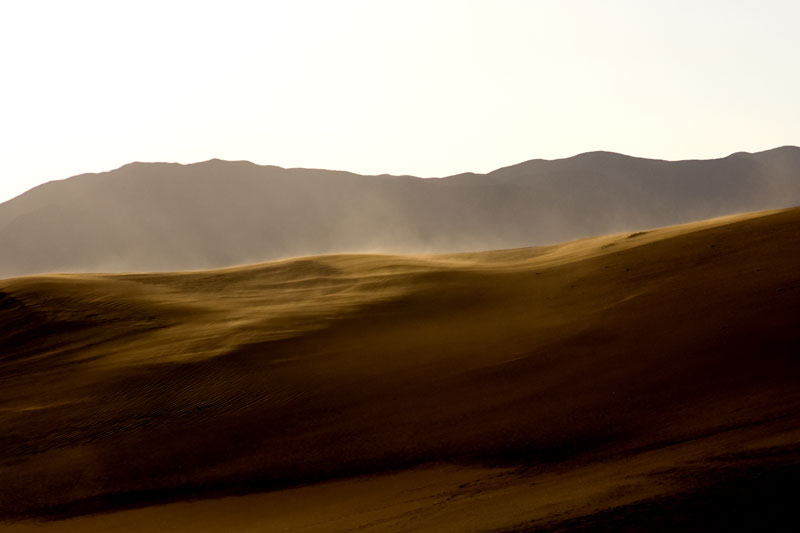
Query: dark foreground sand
(632, 382)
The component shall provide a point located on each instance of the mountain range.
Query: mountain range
(168, 216)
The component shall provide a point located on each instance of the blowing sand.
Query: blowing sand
(641, 380)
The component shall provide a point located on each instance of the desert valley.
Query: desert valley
(441, 266)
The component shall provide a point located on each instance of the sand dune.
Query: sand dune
(647, 378)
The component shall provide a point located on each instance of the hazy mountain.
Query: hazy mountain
(165, 216)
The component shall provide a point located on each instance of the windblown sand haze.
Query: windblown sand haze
(643, 380)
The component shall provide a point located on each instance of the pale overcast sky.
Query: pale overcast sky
(429, 88)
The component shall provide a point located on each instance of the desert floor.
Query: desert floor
(639, 381)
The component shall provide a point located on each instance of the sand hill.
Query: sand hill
(158, 216)
(644, 380)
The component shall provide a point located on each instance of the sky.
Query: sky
(428, 88)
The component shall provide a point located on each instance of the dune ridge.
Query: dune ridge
(515, 389)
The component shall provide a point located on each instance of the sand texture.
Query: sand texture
(637, 381)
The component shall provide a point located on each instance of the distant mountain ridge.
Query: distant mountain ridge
(168, 216)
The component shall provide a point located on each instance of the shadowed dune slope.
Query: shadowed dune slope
(163, 216)
(608, 375)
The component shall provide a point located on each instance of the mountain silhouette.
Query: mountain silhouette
(168, 216)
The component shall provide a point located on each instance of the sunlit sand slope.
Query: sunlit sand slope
(636, 374)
